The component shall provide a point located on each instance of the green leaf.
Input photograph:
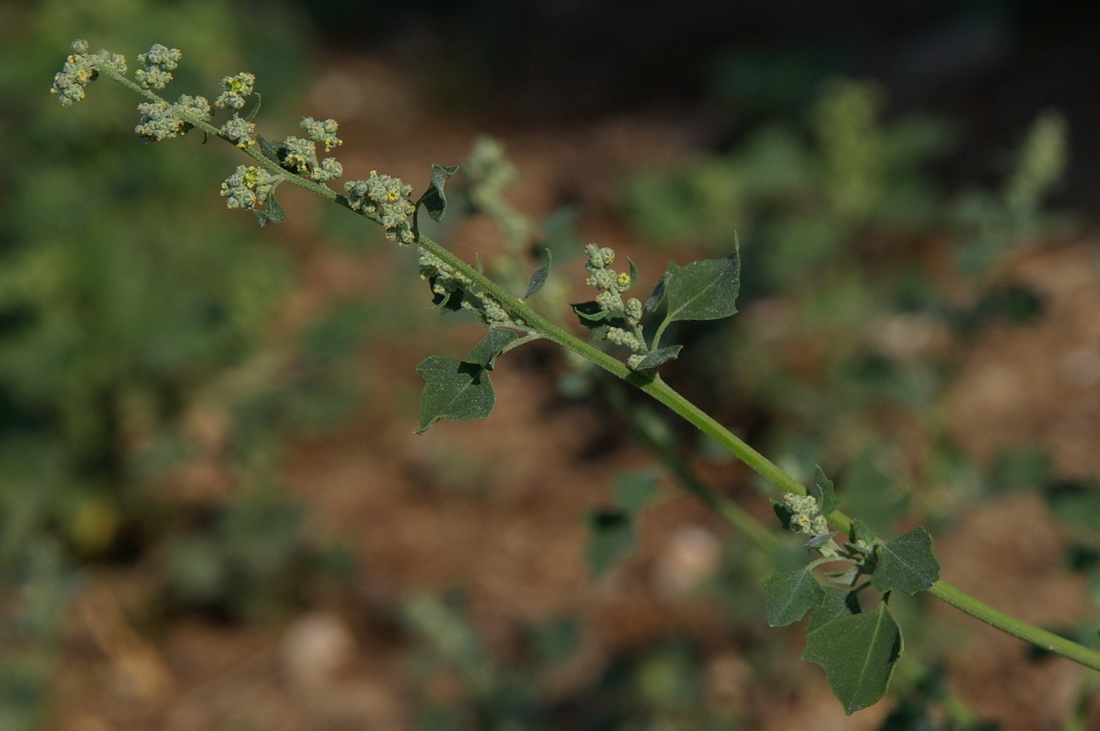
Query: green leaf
(610, 537)
(433, 199)
(906, 563)
(658, 357)
(539, 277)
(486, 352)
(273, 211)
(784, 513)
(273, 151)
(822, 491)
(453, 390)
(836, 603)
(858, 653)
(790, 595)
(703, 290)
(657, 296)
(635, 490)
(611, 532)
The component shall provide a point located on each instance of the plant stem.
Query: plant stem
(655, 387)
(1017, 628)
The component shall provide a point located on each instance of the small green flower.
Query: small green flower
(248, 187)
(82, 68)
(323, 132)
(237, 89)
(239, 131)
(386, 199)
(159, 62)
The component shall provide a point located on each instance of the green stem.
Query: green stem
(665, 394)
(1017, 628)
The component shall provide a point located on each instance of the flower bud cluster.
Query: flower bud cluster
(385, 199)
(806, 518)
(448, 284)
(610, 299)
(248, 187)
(301, 154)
(161, 120)
(81, 68)
(324, 132)
(159, 62)
(237, 89)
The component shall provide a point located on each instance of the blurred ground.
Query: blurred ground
(497, 508)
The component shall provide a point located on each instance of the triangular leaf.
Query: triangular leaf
(486, 352)
(657, 296)
(272, 213)
(433, 200)
(610, 537)
(858, 653)
(635, 490)
(790, 595)
(658, 357)
(611, 532)
(703, 290)
(823, 492)
(453, 390)
(906, 563)
(589, 312)
(273, 151)
(539, 277)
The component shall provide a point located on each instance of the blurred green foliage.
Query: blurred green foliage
(130, 306)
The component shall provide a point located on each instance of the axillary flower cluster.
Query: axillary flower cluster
(251, 187)
(624, 317)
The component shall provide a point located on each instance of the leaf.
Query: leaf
(273, 151)
(433, 199)
(906, 563)
(539, 277)
(790, 595)
(486, 352)
(822, 491)
(272, 213)
(836, 603)
(635, 490)
(658, 357)
(610, 537)
(611, 532)
(453, 390)
(703, 290)
(595, 318)
(784, 513)
(657, 296)
(858, 653)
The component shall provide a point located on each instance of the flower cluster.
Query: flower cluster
(161, 120)
(81, 68)
(324, 132)
(237, 89)
(806, 518)
(455, 289)
(626, 315)
(301, 155)
(248, 187)
(385, 199)
(239, 131)
(159, 62)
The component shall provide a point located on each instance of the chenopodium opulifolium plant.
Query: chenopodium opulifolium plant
(852, 634)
